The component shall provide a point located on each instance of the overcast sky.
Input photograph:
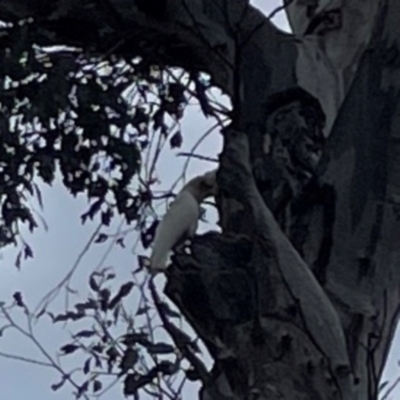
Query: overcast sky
(57, 249)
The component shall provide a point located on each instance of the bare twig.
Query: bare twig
(390, 389)
(30, 335)
(262, 23)
(25, 359)
(193, 149)
(279, 9)
(54, 292)
(198, 156)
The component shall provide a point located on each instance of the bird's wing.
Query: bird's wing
(177, 222)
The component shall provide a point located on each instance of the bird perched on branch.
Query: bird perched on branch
(181, 220)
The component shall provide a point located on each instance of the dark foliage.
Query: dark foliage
(84, 119)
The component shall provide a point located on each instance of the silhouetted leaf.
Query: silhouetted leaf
(97, 360)
(129, 359)
(160, 348)
(93, 210)
(41, 312)
(176, 140)
(101, 238)
(89, 305)
(168, 311)
(82, 389)
(142, 310)
(69, 348)
(69, 315)
(98, 348)
(131, 339)
(116, 313)
(144, 263)
(18, 260)
(112, 354)
(382, 386)
(120, 242)
(158, 119)
(86, 366)
(147, 236)
(131, 385)
(93, 284)
(17, 296)
(97, 385)
(167, 367)
(56, 386)
(124, 291)
(38, 195)
(104, 295)
(192, 375)
(28, 253)
(106, 217)
(133, 382)
(140, 120)
(84, 334)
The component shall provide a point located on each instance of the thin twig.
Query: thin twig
(25, 359)
(54, 292)
(390, 389)
(192, 150)
(198, 156)
(31, 336)
(279, 9)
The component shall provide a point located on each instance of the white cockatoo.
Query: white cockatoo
(181, 220)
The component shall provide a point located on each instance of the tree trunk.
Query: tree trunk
(298, 298)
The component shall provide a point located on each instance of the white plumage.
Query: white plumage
(181, 219)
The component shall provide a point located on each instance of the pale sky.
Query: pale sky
(57, 249)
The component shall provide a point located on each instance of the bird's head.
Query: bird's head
(203, 186)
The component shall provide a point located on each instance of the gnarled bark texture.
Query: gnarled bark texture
(297, 298)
